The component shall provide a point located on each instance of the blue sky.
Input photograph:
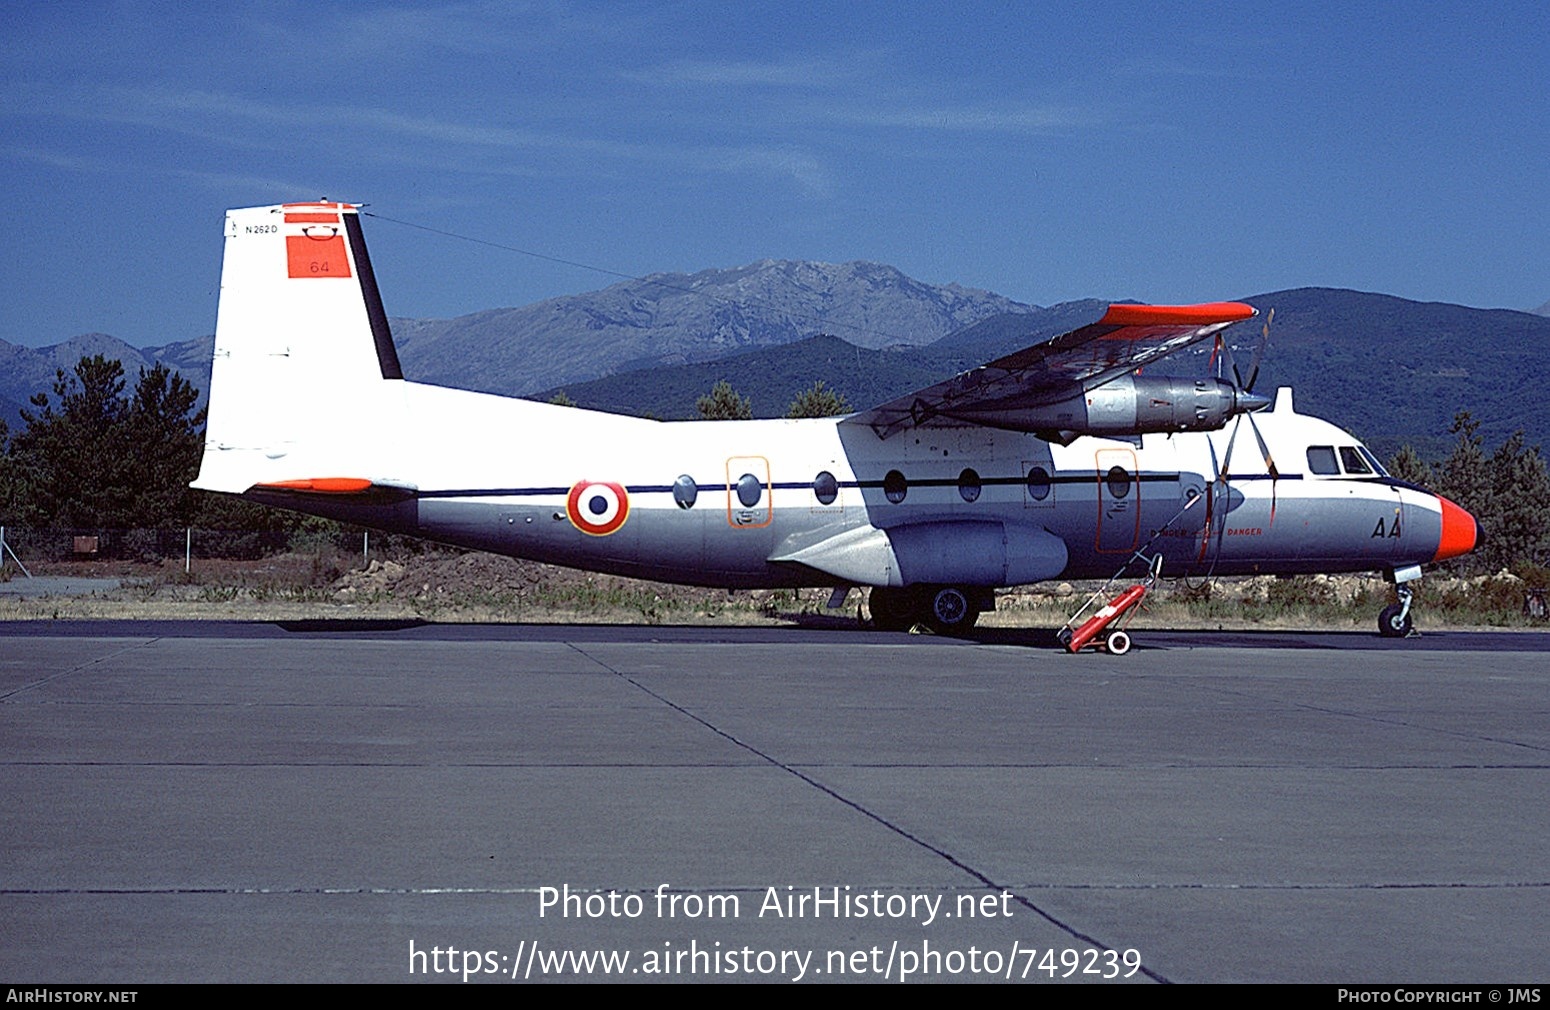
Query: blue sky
(1168, 153)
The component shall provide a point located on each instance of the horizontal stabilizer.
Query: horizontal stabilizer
(351, 487)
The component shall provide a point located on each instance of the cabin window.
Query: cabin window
(969, 485)
(1372, 460)
(685, 491)
(1038, 483)
(825, 488)
(895, 487)
(749, 490)
(1119, 481)
(1353, 460)
(1321, 460)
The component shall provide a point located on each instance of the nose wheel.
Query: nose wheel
(1396, 621)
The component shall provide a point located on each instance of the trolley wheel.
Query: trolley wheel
(1118, 643)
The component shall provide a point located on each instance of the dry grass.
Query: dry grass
(471, 587)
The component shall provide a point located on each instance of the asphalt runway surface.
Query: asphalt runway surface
(404, 802)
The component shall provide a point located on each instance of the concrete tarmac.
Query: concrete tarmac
(397, 802)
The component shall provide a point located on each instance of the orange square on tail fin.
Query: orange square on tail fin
(317, 257)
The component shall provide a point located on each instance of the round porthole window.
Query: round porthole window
(685, 491)
(895, 487)
(969, 485)
(749, 490)
(1119, 481)
(826, 488)
(1038, 483)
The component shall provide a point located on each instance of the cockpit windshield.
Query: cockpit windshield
(1345, 460)
(1353, 461)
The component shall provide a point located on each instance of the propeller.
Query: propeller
(1246, 403)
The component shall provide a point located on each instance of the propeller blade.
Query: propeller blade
(1226, 467)
(1210, 497)
(1259, 353)
(1270, 466)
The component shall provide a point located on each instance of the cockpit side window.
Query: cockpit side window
(1321, 460)
(1353, 460)
(1373, 461)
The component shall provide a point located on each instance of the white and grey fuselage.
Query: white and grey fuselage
(309, 411)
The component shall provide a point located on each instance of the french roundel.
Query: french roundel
(597, 507)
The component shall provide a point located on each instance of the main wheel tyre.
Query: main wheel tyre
(891, 609)
(1118, 643)
(1392, 625)
(952, 610)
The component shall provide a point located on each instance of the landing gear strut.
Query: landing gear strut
(1396, 621)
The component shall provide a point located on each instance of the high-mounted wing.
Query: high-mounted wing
(1082, 383)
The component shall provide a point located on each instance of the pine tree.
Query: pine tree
(724, 404)
(164, 434)
(1508, 493)
(1407, 465)
(68, 462)
(1462, 476)
(7, 477)
(92, 458)
(1519, 530)
(818, 400)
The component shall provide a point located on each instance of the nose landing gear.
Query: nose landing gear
(1396, 621)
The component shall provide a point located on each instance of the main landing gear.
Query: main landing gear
(946, 610)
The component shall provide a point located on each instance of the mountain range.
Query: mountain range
(1389, 369)
(676, 319)
(663, 319)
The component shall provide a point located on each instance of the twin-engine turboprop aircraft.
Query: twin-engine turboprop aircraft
(1059, 461)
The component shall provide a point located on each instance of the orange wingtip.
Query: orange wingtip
(1176, 315)
(325, 485)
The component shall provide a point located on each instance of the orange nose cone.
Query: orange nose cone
(1460, 532)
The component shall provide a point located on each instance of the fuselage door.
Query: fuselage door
(750, 502)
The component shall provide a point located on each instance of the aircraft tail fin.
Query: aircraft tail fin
(304, 359)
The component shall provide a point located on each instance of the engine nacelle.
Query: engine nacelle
(1128, 405)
